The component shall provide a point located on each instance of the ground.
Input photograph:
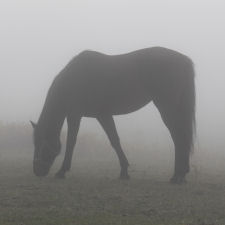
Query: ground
(92, 194)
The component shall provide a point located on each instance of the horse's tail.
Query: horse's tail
(187, 106)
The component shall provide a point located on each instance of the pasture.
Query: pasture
(92, 194)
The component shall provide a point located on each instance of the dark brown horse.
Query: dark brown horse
(100, 86)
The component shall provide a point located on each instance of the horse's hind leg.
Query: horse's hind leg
(109, 127)
(175, 124)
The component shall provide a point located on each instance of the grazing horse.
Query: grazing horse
(96, 85)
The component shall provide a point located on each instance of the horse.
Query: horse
(101, 86)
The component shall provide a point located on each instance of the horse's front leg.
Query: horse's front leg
(73, 123)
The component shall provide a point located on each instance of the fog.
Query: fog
(38, 38)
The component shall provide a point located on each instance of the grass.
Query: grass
(92, 195)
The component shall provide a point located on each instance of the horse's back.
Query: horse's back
(122, 83)
(136, 64)
(89, 63)
(146, 53)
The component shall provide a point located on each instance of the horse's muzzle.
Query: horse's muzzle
(40, 168)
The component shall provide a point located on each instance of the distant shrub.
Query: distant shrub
(15, 136)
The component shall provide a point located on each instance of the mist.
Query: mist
(38, 39)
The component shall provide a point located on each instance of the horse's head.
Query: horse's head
(45, 152)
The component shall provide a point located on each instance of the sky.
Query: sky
(39, 37)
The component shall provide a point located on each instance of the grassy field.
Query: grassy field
(91, 194)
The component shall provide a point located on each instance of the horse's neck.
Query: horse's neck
(51, 120)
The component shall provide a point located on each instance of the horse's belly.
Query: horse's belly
(116, 104)
(125, 106)
(119, 91)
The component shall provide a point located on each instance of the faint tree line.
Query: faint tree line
(15, 136)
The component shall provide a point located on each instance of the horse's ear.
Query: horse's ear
(33, 124)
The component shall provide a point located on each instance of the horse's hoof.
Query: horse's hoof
(124, 177)
(177, 180)
(60, 175)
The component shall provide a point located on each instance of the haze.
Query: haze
(38, 38)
